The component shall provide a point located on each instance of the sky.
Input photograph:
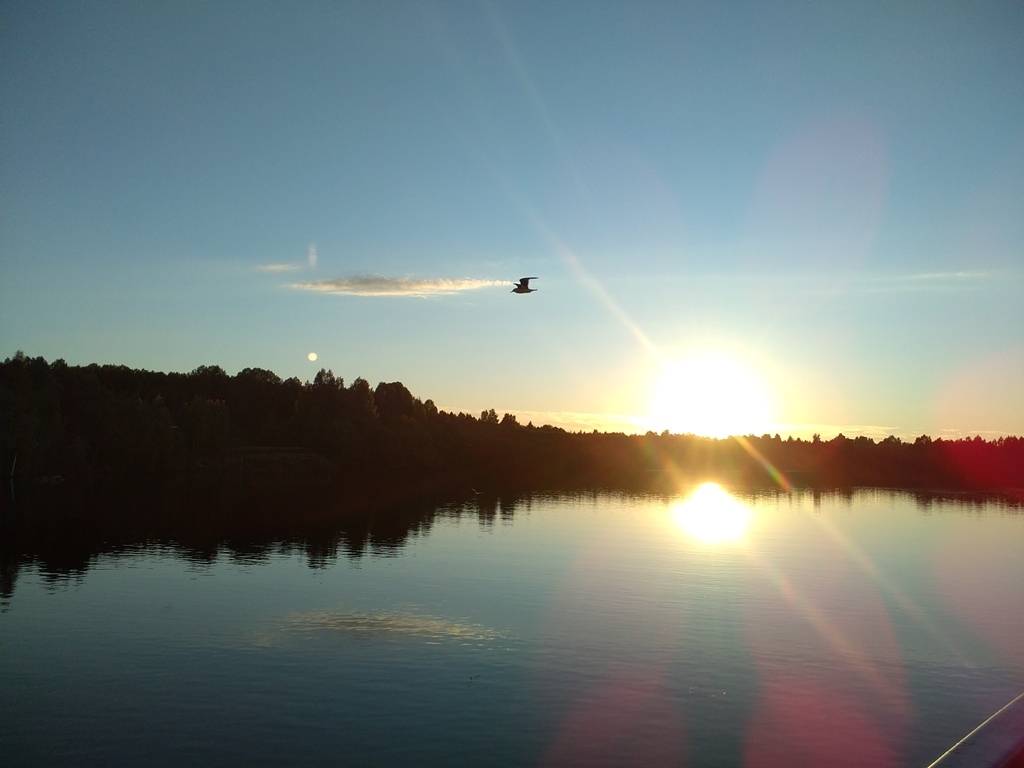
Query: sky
(745, 217)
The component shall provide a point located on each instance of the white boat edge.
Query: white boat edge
(993, 744)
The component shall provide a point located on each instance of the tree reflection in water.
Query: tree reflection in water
(62, 530)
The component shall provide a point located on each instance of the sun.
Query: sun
(708, 394)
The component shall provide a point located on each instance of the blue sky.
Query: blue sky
(829, 197)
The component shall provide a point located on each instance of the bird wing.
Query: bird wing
(525, 281)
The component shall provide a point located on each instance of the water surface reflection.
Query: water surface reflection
(710, 628)
(388, 627)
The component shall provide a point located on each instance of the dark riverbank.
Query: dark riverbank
(59, 422)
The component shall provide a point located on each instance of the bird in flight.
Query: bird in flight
(523, 286)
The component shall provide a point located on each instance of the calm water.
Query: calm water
(873, 628)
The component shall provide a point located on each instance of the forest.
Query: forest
(59, 422)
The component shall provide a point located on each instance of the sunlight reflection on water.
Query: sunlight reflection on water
(711, 515)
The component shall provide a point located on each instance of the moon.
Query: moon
(311, 356)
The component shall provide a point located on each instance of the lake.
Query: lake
(710, 628)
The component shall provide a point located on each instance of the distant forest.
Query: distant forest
(59, 421)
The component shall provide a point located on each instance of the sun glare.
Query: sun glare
(708, 395)
(711, 515)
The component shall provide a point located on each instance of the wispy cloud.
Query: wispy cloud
(377, 285)
(931, 281)
(829, 431)
(279, 267)
(573, 421)
(948, 276)
(619, 422)
(311, 261)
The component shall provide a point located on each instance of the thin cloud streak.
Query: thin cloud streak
(932, 281)
(573, 421)
(377, 285)
(829, 431)
(635, 425)
(279, 267)
(925, 276)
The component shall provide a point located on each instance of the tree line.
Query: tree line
(61, 421)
